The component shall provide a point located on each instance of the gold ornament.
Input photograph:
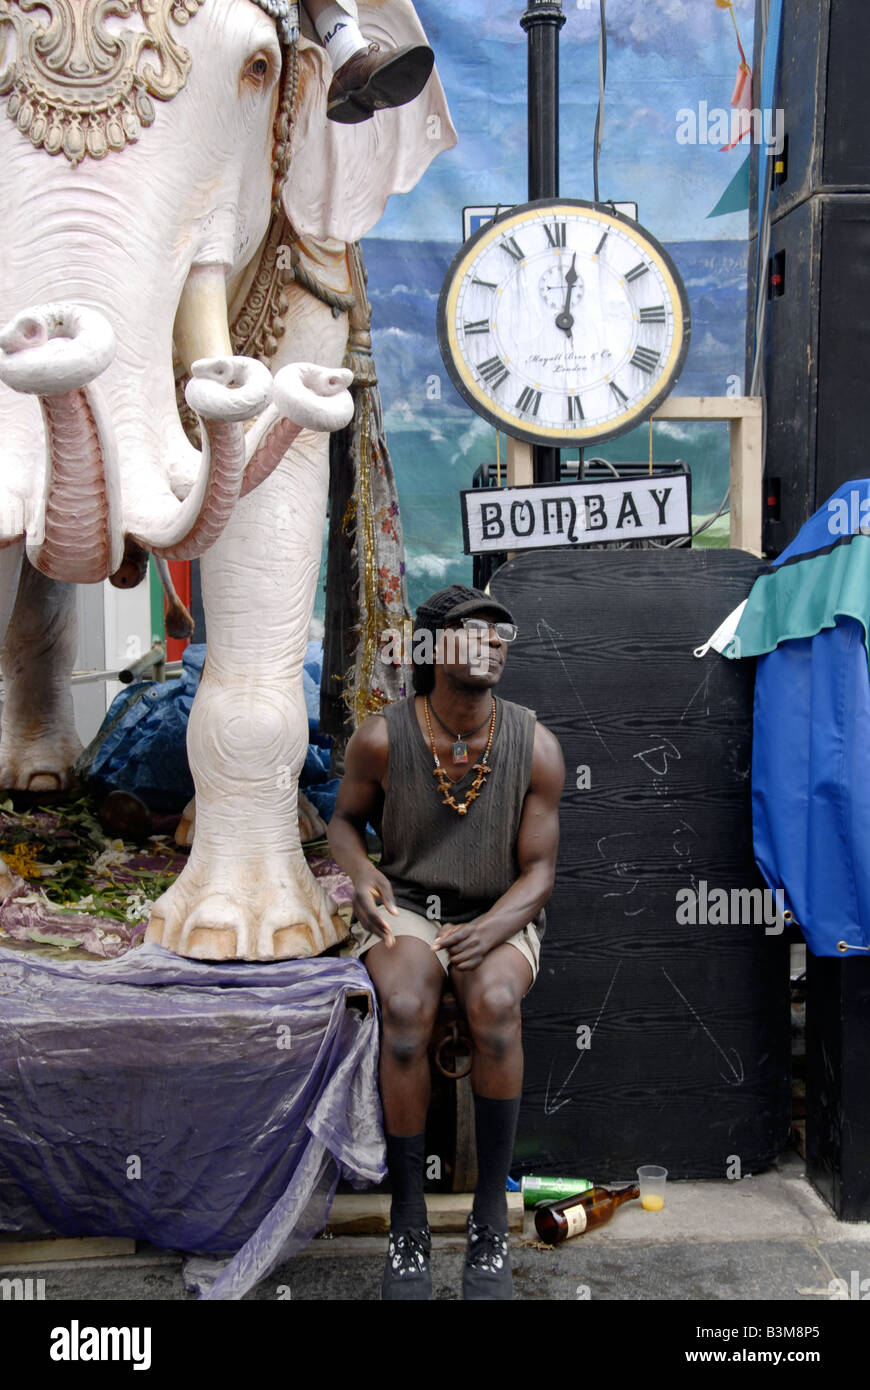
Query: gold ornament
(79, 88)
(444, 783)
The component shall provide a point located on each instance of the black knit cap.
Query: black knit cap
(457, 601)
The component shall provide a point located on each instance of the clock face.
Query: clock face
(563, 323)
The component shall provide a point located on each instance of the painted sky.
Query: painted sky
(664, 56)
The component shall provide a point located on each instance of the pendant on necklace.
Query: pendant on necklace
(460, 751)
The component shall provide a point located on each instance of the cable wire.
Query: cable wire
(602, 79)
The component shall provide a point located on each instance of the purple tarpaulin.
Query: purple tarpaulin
(202, 1107)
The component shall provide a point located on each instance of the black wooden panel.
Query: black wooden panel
(689, 1063)
(838, 1096)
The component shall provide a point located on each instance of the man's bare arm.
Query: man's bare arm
(537, 848)
(360, 794)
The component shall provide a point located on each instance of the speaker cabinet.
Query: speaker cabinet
(816, 358)
(823, 90)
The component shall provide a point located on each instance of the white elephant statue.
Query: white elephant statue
(156, 158)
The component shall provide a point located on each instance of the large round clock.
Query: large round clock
(563, 322)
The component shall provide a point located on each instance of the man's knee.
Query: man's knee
(494, 1015)
(408, 1018)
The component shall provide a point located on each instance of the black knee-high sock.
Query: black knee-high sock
(496, 1125)
(406, 1158)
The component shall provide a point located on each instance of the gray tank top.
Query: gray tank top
(467, 861)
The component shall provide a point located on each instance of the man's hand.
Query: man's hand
(369, 886)
(467, 945)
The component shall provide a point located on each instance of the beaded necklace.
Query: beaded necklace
(482, 768)
(460, 747)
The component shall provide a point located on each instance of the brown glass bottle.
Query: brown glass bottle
(559, 1220)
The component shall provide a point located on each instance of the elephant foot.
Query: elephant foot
(44, 765)
(253, 910)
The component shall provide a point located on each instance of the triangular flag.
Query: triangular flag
(736, 195)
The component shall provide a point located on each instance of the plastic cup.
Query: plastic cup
(651, 1180)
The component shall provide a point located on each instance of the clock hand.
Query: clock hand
(565, 320)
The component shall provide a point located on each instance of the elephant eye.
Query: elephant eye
(258, 70)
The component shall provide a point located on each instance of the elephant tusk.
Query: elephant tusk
(201, 327)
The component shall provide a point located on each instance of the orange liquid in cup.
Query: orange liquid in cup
(652, 1202)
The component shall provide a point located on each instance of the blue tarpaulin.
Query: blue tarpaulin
(143, 743)
(808, 621)
(204, 1108)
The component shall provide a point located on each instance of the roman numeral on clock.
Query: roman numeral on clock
(600, 247)
(575, 408)
(646, 360)
(493, 371)
(487, 284)
(529, 401)
(509, 244)
(619, 393)
(557, 233)
(654, 315)
(479, 326)
(636, 272)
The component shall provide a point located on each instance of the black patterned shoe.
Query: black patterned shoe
(406, 1272)
(372, 81)
(487, 1273)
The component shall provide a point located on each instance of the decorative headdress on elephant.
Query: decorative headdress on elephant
(84, 82)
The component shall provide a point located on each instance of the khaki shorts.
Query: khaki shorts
(408, 923)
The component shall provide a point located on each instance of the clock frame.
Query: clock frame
(563, 322)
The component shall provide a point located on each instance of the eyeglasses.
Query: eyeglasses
(505, 632)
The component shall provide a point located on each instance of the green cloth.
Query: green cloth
(797, 600)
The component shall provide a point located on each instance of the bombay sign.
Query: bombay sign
(532, 518)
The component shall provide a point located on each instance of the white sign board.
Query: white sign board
(473, 218)
(531, 518)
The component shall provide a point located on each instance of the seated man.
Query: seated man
(466, 788)
(366, 80)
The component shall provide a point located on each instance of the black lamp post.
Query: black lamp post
(542, 21)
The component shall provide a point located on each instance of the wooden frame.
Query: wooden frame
(744, 415)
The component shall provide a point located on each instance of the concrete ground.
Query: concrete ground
(768, 1237)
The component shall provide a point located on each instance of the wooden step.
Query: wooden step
(368, 1213)
(15, 1250)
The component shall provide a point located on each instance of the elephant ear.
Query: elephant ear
(341, 176)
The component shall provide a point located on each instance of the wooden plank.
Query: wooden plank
(710, 408)
(39, 1250)
(746, 483)
(368, 1213)
(520, 470)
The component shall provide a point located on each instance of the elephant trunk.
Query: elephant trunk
(73, 524)
(90, 504)
(77, 544)
(305, 397)
(223, 391)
